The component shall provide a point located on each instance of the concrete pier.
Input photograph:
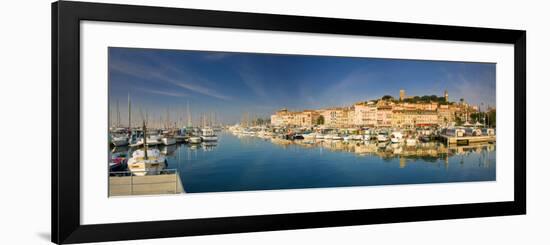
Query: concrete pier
(450, 140)
(145, 185)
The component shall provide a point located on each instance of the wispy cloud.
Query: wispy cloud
(167, 73)
(192, 87)
(253, 81)
(166, 93)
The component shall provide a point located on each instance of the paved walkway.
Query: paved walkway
(145, 185)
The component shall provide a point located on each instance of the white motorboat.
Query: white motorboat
(207, 135)
(167, 140)
(152, 139)
(382, 137)
(141, 164)
(195, 140)
(119, 140)
(356, 137)
(396, 137)
(334, 137)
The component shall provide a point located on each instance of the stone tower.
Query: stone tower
(401, 94)
(446, 96)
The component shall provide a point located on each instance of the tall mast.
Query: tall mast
(167, 118)
(188, 115)
(145, 139)
(110, 116)
(129, 113)
(212, 119)
(117, 115)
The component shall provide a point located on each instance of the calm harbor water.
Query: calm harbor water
(242, 163)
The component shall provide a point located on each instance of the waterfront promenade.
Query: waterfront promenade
(450, 140)
(145, 185)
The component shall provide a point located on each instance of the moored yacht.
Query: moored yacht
(208, 135)
(152, 139)
(334, 137)
(195, 139)
(396, 137)
(146, 162)
(356, 137)
(366, 137)
(119, 140)
(168, 140)
(382, 136)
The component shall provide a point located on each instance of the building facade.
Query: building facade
(380, 113)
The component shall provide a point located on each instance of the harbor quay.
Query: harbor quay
(408, 128)
(230, 121)
(123, 184)
(281, 162)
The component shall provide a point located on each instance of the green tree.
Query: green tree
(477, 116)
(387, 97)
(492, 118)
(458, 121)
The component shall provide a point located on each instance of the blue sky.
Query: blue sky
(229, 84)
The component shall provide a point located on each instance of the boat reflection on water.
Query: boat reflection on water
(168, 150)
(240, 162)
(426, 151)
(246, 162)
(209, 145)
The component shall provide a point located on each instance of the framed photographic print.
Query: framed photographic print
(176, 122)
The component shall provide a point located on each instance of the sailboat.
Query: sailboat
(118, 135)
(146, 161)
(168, 140)
(193, 138)
(167, 137)
(207, 135)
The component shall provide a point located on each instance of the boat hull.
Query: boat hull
(142, 169)
(119, 142)
(195, 140)
(180, 138)
(382, 138)
(209, 138)
(168, 141)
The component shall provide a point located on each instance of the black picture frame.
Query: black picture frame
(66, 18)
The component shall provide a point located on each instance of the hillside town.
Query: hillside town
(388, 112)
